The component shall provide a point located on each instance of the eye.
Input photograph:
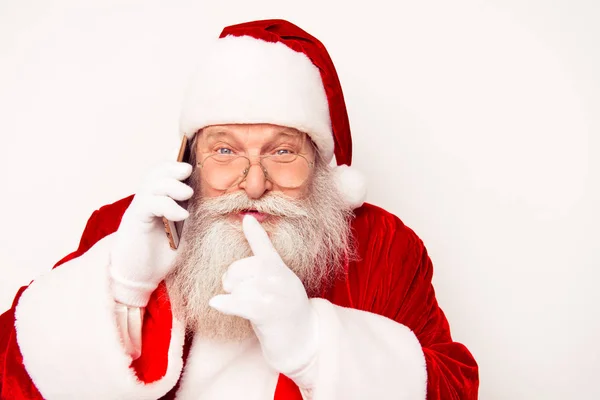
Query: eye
(283, 152)
(225, 151)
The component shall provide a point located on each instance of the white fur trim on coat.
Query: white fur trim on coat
(246, 80)
(67, 332)
(366, 356)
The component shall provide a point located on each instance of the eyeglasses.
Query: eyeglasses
(226, 169)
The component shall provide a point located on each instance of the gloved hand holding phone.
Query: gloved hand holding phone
(141, 256)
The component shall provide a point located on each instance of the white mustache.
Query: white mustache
(273, 203)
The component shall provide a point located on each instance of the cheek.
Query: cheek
(201, 188)
(297, 193)
(207, 192)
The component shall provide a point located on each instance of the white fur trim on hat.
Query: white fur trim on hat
(247, 80)
(351, 184)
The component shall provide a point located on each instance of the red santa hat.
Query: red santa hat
(273, 72)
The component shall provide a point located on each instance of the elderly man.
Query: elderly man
(284, 286)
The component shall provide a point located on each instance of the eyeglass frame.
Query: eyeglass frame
(311, 165)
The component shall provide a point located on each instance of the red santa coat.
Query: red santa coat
(382, 332)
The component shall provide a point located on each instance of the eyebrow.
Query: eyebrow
(212, 134)
(277, 135)
(286, 133)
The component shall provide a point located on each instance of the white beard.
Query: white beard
(312, 237)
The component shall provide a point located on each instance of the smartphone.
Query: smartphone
(172, 228)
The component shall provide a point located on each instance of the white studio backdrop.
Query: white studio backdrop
(476, 122)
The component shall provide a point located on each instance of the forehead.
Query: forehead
(250, 133)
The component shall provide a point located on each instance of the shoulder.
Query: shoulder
(372, 223)
(389, 263)
(385, 245)
(102, 222)
(108, 217)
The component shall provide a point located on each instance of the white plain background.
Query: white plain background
(476, 122)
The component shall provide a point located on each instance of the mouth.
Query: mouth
(260, 216)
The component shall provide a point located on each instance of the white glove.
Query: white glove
(267, 293)
(141, 256)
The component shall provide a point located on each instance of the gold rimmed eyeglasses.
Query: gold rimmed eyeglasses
(223, 171)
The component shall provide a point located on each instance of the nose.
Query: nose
(256, 183)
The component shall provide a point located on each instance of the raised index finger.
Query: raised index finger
(257, 237)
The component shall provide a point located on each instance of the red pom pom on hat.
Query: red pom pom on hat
(272, 71)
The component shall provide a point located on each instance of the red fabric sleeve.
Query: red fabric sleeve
(15, 383)
(392, 277)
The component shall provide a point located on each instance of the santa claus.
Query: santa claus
(284, 286)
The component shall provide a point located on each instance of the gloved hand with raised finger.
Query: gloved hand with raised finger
(141, 256)
(270, 295)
